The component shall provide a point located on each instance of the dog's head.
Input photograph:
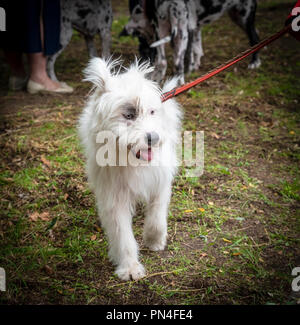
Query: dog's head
(128, 104)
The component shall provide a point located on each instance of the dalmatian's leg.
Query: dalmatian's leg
(162, 30)
(189, 62)
(104, 27)
(65, 37)
(197, 48)
(178, 12)
(180, 43)
(179, 53)
(89, 40)
(105, 35)
(244, 15)
(160, 64)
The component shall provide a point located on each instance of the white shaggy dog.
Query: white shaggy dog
(128, 107)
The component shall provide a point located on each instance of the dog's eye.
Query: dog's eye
(130, 113)
(129, 116)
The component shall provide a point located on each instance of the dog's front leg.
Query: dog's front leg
(106, 42)
(197, 48)
(123, 249)
(155, 228)
(160, 64)
(180, 45)
(89, 40)
(66, 33)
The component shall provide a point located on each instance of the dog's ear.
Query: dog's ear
(99, 72)
(143, 67)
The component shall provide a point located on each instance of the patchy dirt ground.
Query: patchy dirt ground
(233, 232)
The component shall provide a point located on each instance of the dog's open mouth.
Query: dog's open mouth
(145, 154)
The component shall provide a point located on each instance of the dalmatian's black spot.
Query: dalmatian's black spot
(138, 10)
(242, 12)
(82, 13)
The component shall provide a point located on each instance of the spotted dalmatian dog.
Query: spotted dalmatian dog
(181, 22)
(89, 17)
(145, 51)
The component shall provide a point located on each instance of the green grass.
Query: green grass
(233, 233)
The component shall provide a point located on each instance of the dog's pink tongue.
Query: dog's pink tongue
(146, 154)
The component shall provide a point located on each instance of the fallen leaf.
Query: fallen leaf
(45, 161)
(93, 237)
(186, 211)
(292, 132)
(211, 203)
(34, 216)
(43, 216)
(66, 196)
(236, 253)
(203, 254)
(214, 135)
(226, 240)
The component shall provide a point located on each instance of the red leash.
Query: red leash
(176, 91)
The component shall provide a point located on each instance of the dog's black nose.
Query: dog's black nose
(151, 138)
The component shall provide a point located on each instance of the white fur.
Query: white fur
(118, 188)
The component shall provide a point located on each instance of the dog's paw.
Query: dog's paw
(254, 65)
(181, 80)
(158, 245)
(133, 272)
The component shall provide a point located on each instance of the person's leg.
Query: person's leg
(38, 66)
(11, 42)
(38, 72)
(17, 79)
(15, 62)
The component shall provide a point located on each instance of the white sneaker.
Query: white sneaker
(65, 85)
(34, 87)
